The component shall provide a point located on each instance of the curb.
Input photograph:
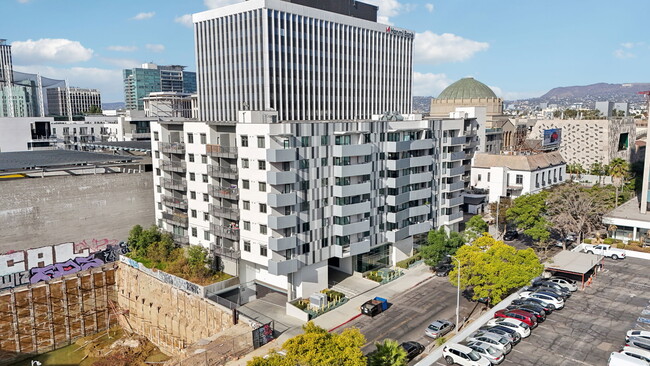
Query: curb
(345, 322)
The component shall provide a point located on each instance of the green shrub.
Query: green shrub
(620, 245)
(408, 261)
(374, 276)
(608, 241)
(587, 241)
(332, 295)
(301, 304)
(440, 341)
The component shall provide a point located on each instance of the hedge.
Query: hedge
(408, 261)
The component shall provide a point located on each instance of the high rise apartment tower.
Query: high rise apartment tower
(6, 66)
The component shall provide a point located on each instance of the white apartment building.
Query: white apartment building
(81, 101)
(513, 175)
(280, 203)
(307, 60)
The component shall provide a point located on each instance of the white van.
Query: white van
(619, 359)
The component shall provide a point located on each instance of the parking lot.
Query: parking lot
(593, 323)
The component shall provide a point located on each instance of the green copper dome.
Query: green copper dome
(467, 88)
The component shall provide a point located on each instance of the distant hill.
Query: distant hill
(595, 92)
(114, 105)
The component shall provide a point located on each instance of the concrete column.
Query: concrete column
(32, 316)
(634, 233)
(14, 322)
(80, 298)
(66, 310)
(50, 317)
(94, 298)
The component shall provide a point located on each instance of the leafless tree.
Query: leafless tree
(573, 209)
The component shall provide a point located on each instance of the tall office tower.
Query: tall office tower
(81, 101)
(6, 66)
(306, 59)
(151, 78)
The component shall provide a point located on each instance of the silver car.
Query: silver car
(512, 335)
(638, 342)
(496, 341)
(438, 328)
(488, 352)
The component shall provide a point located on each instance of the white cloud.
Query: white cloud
(155, 47)
(143, 16)
(185, 20)
(109, 82)
(429, 84)
(46, 50)
(387, 9)
(429, 7)
(123, 63)
(627, 45)
(622, 54)
(212, 4)
(432, 48)
(23, 1)
(122, 48)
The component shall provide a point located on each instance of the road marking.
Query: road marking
(518, 351)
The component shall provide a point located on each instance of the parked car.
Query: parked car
(439, 328)
(565, 282)
(638, 333)
(510, 235)
(549, 298)
(619, 359)
(520, 327)
(463, 355)
(487, 351)
(552, 285)
(444, 269)
(520, 315)
(638, 342)
(413, 349)
(539, 313)
(548, 308)
(512, 334)
(468, 293)
(499, 342)
(606, 250)
(635, 352)
(561, 293)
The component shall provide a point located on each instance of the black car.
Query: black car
(468, 293)
(510, 235)
(413, 349)
(561, 294)
(443, 270)
(539, 313)
(548, 308)
(553, 286)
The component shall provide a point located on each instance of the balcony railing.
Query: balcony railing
(230, 232)
(173, 166)
(226, 212)
(175, 218)
(141, 135)
(223, 192)
(178, 184)
(181, 239)
(222, 172)
(172, 201)
(227, 252)
(221, 151)
(172, 147)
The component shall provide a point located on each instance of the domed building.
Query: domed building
(467, 92)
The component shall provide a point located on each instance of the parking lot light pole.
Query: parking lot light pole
(457, 293)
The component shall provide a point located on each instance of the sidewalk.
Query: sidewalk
(343, 314)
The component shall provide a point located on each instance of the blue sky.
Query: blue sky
(520, 48)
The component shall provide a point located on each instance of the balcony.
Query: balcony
(223, 192)
(280, 244)
(353, 228)
(173, 166)
(229, 232)
(216, 171)
(351, 150)
(141, 135)
(181, 239)
(231, 213)
(420, 228)
(454, 156)
(451, 202)
(449, 172)
(176, 202)
(450, 187)
(281, 177)
(219, 151)
(344, 251)
(228, 252)
(282, 199)
(451, 218)
(280, 155)
(283, 267)
(176, 219)
(351, 209)
(177, 184)
(460, 140)
(352, 170)
(172, 147)
(351, 190)
(282, 222)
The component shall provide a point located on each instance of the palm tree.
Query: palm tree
(388, 353)
(618, 169)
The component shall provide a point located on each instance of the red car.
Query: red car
(521, 315)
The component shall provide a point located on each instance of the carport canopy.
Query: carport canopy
(575, 263)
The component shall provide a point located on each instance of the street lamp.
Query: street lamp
(457, 293)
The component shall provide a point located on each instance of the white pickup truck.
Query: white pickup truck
(606, 250)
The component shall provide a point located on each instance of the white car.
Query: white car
(619, 359)
(487, 351)
(557, 302)
(637, 333)
(635, 352)
(496, 341)
(463, 355)
(564, 282)
(520, 327)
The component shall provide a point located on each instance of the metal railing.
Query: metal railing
(172, 147)
(221, 172)
(221, 151)
(230, 232)
(227, 212)
(223, 192)
(181, 239)
(174, 202)
(177, 184)
(174, 166)
(175, 218)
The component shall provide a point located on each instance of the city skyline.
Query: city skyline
(520, 50)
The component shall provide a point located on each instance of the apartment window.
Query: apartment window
(479, 177)
(304, 163)
(262, 229)
(263, 207)
(244, 163)
(285, 144)
(206, 235)
(304, 141)
(206, 216)
(247, 246)
(244, 141)
(262, 186)
(206, 198)
(263, 251)
(247, 225)
(246, 184)
(305, 227)
(488, 177)
(155, 136)
(204, 159)
(192, 177)
(205, 178)
(194, 232)
(323, 161)
(260, 142)
(324, 140)
(324, 182)
(366, 138)
(203, 139)
(193, 213)
(190, 138)
(158, 189)
(343, 140)
(157, 154)
(261, 164)
(246, 205)
(192, 195)
(158, 172)
(190, 157)
(519, 179)
(159, 205)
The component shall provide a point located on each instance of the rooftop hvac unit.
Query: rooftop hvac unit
(318, 300)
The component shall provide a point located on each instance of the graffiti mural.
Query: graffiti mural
(170, 279)
(95, 245)
(31, 266)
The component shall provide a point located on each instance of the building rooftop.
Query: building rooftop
(628, 211)
(22, 160)
(518, 162)
(122, 145)
(467, 88)
(573, 262)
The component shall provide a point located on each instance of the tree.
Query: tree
(501, 210)
(318, 347)
(528, 213)
(574, 168)
(388, 353)
(572, 208)
(474, 228)
(618, 169)
(493, 268)
(440, 244)
(94, 109)
(598, 169)
(140, 239)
